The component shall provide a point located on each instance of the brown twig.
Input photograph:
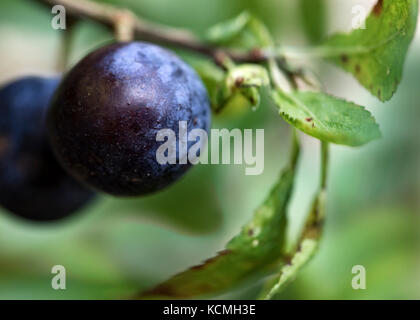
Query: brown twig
(149, 31)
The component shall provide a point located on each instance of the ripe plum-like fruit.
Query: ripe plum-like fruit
(104, 119)
(32, 183)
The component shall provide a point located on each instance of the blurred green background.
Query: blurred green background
(116, 246)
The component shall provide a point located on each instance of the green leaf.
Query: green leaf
(240, 85)
(313, 16)
(306, 248)
(242, 32)
(327, 118)
(376, 55)
(247, 75)
(225, 32)
(213, 78)
(259, 244)
(310, 237)
(306, 251)
(244, 80)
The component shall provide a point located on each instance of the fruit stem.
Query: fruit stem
(124, 23)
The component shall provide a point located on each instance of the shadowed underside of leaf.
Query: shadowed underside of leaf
(243, 32)
(327, 118)
(309, 240)
(307, 247)
(375, 55)
(259, 244)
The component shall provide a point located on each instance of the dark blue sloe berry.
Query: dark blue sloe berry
(104, 119)
(32, 183)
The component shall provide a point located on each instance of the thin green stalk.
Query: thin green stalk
(295, 149)
(279, 79)
(65, 46)
(324, 164)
